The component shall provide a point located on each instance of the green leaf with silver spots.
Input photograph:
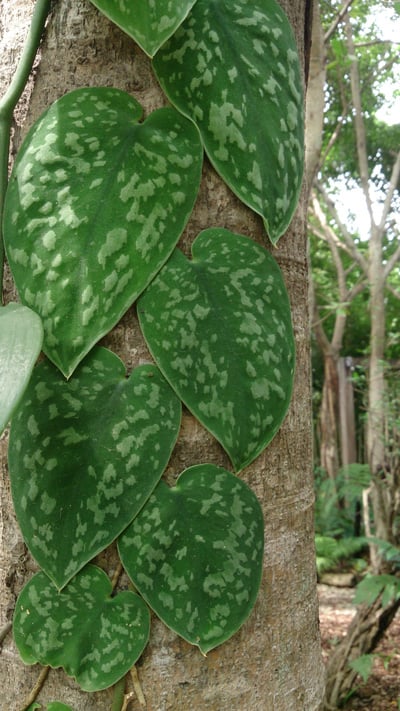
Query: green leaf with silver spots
(149, 23)
(195, 554)
(95, 205)
(219, 328)
(85, 455)
(96, 638)
(233, 68)
(21, 336)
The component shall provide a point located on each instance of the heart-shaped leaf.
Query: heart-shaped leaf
(149, 23)
(195, 554)
(219, 328)
(95, 205)
(233, 68)
(94, 637)
(85, 454)
(21, 336)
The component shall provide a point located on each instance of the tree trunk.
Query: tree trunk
(273, 663)
(363, 635)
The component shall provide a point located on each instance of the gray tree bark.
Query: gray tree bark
(274, 662)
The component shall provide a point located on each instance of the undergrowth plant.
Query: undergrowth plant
(95, 206)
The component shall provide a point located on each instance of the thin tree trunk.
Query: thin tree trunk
(274, 662)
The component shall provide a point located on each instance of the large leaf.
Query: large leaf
(85, 455)
(219, 328)
(195, 554)
(233, 68)
(95, 205)
(94, 637)
(149, 23)
(21, 336)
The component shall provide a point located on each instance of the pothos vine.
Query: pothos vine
(95, 206)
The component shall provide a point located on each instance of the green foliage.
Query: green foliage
(195, 554)
(95, 206)
(372, 586)
(150, 24)
(21, 336)
(363, 665)
(233, 69)
(85, 455)
(330, 552)
(336, 501)
(96, 638)
(243, 372)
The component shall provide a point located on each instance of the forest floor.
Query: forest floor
(381, 692)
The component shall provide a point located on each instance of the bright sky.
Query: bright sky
(351, 205)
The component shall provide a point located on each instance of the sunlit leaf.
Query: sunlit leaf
(149, 23)
(219, 328)
(233, 68)
(195, 554)
(96, 638)
(85, 455)
(21, 336)
(95, 205)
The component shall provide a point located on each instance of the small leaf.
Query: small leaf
(96, 638)
(195, 554)
(233, 68)
(369, 589)
(58, 706)
(95, 205)
(219, 328)
(21, 336)
(149, 23)
(84, 456)
(363, 665)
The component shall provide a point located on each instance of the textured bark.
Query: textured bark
(273, 663)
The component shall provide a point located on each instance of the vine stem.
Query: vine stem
(10, 99)
(36, 689)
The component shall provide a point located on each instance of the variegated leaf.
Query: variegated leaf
(95, 205)
(96, 638)
(21, 336)
(85, 454)
(219, 328)
(149, 23)
(195, 554)
(233, 68)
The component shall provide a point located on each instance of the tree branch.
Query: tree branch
(361, 138)
(394, 179)
(391, 262)
(345, 234)
(337, 21)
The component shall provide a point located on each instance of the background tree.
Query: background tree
(358, 150)
(274, 661)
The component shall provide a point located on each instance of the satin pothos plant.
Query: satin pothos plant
(95, 206)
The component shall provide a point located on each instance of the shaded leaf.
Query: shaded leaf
(363, 665)
(21, 336)
(195, 554)
(219, 328)
(96, 638)
(233, 68)
(95, 205)
(149, 23)
(84, 456)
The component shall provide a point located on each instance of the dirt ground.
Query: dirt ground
(382, 690)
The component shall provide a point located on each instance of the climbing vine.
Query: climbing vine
(96, 204)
